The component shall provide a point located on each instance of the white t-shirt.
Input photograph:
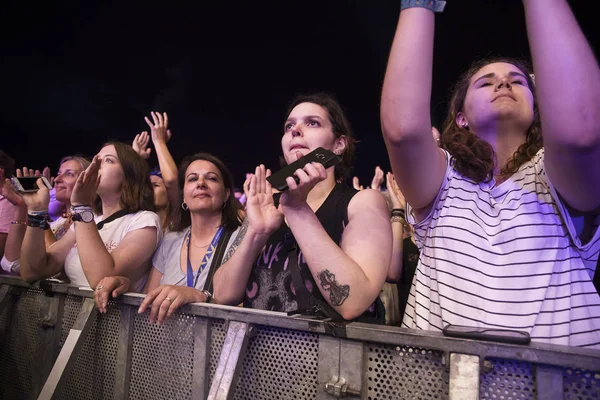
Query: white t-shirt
(505, 256)
(112, 234)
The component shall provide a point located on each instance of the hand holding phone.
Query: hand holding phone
(319, 155)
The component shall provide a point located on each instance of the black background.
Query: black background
(74, 76)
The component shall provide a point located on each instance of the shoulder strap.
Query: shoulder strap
(217, 259)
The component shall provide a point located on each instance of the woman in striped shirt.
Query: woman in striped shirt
(494, 210)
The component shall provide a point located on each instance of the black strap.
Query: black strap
(117, 215)
(597, 275)
(217, 259)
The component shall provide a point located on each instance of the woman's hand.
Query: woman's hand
(377, 179)
(308, 177)
(84, 191)
(396, 196)
(8, 191)
(166, 299)
(263, 217)
(159, 127)
(140, 145)
(111, 286)
(39, 200)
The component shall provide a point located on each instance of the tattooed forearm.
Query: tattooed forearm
(338, 293)
(237, 241)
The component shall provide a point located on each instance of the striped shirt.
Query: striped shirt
(505, 256)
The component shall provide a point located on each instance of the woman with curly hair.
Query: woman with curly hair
(507, 224)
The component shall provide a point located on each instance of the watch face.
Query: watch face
(87, 216)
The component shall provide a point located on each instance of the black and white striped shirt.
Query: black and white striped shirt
(505, 256)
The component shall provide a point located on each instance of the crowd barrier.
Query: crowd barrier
(55, 345)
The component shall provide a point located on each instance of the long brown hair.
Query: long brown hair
(339, 125)
(230, 215)
(136, 190)
(474, 157)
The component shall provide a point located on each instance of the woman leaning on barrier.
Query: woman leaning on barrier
(203, 229)
(114, 230)
(508, 229)
(319, 246)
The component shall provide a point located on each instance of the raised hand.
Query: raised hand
(84, 191)
(308, 177)
(166, 299)
(8, 191)
(140, 145)
(377, 179)
(46, 174)
(110, 287)
(159, 127)
(39, 200)
(27, 172)
(396, 196)
(356, 183)
(262, 215)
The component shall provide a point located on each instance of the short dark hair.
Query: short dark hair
(136, 191)
(230, 214)
(339, 125)
(8, 163)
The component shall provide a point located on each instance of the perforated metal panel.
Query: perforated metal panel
(162, 358)
(71, 310)
(93, 376)
(509, 380)
(279, 364)
(19, 332)
(217, 337)
(399, 372)
(581, 385)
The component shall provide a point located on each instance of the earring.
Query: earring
(184, 206)
(465, 125)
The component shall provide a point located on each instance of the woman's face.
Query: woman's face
(161, 200)
(204, 189)
(111, 172)
(498, 93)
(65, 180)
(306, 128)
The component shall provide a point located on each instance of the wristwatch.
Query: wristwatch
(83, 216)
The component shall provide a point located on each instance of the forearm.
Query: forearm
(395, 271)
(168, 169)
(406, 94)
(16, 233)
(323, 255)
(96, 261)
(231, 278)
(33, 257)
(567, 76)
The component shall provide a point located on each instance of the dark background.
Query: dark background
(74, 76)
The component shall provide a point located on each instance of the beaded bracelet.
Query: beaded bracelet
(433, 5)
(18, 223)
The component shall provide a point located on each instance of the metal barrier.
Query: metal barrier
(54, 345)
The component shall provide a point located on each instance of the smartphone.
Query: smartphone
(27, 184)
(493, 334)
(320, 155)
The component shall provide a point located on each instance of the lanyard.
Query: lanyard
(191, 281)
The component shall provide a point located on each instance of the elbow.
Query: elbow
(351, 313)
(28, 277)
(397, 134)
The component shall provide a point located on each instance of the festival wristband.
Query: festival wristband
(433, 5)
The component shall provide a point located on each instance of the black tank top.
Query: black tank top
(270, 285)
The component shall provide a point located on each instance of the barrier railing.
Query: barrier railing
(54, 345)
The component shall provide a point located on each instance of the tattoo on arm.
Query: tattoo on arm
(237, 241)
(339, 293)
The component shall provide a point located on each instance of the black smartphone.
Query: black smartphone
(27, 184)
(493, 334)
(320, 155)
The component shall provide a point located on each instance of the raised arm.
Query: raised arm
(417, 163)
(262, 219)
(567, 81)
(168, 169)
(37, 262)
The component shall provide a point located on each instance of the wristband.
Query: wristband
(18, 223)
(398, 212)
(433, 5)
(38, 221)
(208, 295)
